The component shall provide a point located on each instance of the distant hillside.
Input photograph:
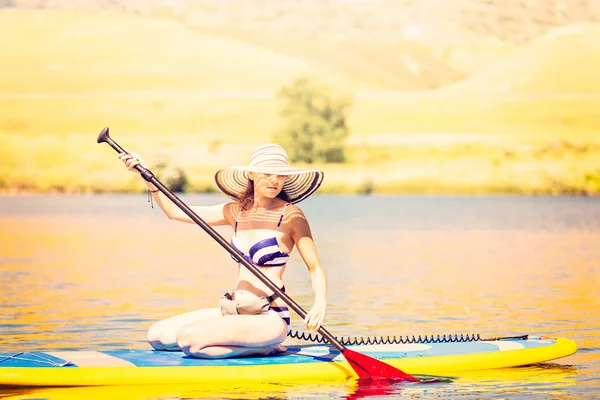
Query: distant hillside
(82, 51)
(402, 66)
(566, 60)
(66, 51)
(429, 21)
(407, 45)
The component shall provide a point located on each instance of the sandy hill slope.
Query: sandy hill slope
(67, 51)
(78, 50)
(406, 45)
(565, 60)
(433, 21)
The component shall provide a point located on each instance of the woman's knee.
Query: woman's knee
(155, 332)
(161, 337)
(190, 339)
(197, 339)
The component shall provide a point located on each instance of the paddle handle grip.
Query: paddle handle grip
(104, 137)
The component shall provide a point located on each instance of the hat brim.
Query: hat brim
(299, 185)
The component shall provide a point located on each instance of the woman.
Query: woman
(266, 227)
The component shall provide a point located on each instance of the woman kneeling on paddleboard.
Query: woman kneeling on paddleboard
(266, 226)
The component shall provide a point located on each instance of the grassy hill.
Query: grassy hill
(563, 61)
(70, 71)
(81, 52)
(431, 21)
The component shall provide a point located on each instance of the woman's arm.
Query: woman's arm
(219, 214)
(306, 246)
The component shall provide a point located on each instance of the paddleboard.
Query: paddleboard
(300, 363)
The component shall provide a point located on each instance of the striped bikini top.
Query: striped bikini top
(265, 252)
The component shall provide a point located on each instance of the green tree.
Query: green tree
(174, 178)
(316, 122)
(177, 181)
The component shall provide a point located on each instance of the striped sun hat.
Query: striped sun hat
(270, 159)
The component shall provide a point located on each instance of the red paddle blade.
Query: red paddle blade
(369, 367)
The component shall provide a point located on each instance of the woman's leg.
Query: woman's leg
(162, 335)
(233, 335)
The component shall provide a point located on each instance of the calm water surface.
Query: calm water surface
(94, 271)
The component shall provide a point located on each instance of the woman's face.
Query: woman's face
(267, 185)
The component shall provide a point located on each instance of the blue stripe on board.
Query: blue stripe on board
(154, 358)
(32, 360)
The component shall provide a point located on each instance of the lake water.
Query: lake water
(94, 271)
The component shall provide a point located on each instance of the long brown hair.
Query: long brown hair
(247, 197)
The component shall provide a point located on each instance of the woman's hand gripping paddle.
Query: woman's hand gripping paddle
(363, 365)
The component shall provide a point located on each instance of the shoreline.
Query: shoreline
(474, 192)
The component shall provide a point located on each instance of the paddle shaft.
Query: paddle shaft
(149, 176)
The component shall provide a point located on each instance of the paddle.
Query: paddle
(363, 365)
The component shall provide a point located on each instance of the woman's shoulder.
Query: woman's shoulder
(292, 213)
(232, 208)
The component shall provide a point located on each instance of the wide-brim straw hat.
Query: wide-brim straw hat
(270, 159)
